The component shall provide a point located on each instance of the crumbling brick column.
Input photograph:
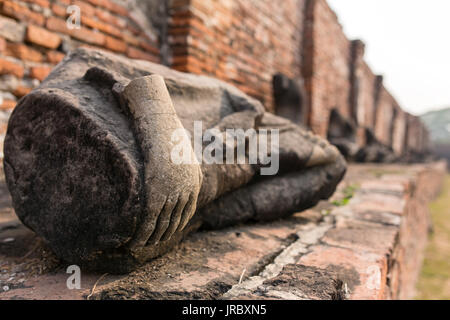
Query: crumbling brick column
(399, 132)
(386, 112)
(415, 140)
(362, 95)
(327, 52)
(358, 109)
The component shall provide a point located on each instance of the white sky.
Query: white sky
(408, 41)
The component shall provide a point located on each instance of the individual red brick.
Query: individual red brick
(362, 236)
(130, 39)
(112, 30)
(388, 185)
(83, 34)
(181, 68)
(109, 18)
(180, 60)
(42, 37)
(58, 25)
(3, 128)
(59, 10)
(41, 3)
(2, 45)
(55, 57)
(104, 15)
(11, 30)
(21, 12)
(106, 28)
(88, 21)
(23, 52)
(381, 203)
(180, 21)
(116, 8)
(9, 67)
(8, 105)
(115, 44)
(21, 91)
(85, 8)
(149, 48)
(102, 3)
(40, 72)
(135, 53)
(89, 36)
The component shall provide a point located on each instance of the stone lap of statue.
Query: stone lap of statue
(87, 161)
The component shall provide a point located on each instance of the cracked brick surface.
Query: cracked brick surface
(369, 247)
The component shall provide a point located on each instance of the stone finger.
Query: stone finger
(148, 224)
(176, 217)
(189, 211)
(164, 219)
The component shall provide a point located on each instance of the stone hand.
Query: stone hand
(171, 189)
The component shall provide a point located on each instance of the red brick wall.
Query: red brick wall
(34, 37)
(417, 137)
(242, 42)
(337, 76)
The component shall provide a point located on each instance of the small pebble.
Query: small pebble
(5, 288)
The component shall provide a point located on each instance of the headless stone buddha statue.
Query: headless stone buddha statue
(90, 168)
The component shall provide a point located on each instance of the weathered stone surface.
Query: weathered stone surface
(363, 272)
(299, 282)
(380, 203)
(171, 189)
(76, 167)
(207, 264)
(362, 235)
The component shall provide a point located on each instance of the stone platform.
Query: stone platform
(366, 242)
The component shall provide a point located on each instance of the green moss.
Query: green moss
(348, 193)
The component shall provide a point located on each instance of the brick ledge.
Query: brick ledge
(369, 247)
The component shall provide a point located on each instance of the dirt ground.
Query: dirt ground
(434, 282)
